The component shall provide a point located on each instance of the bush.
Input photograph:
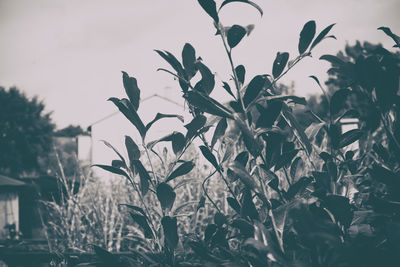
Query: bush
(297, 197)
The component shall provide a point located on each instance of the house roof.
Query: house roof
(143, 100)
(10, 182)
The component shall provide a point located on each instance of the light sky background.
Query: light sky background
(70, 52)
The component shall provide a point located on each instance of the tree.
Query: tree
(26, 132)
(70, 131)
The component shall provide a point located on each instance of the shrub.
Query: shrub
(297, 197)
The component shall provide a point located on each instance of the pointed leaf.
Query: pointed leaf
(240, 73)
(113, 170)
(210, 7)
(130, 113)
(171, 59)
(142, 222)
(131, 89)
(189, 59)
(116, 152)
(321, 36)
(242, 173)
(243, 1)
(170, 229)
(209, 156)
(207, 104)
(298, 186)
(160, 116)
(234, 204)
(268, 115)
(389, 33)
(183, 169)
(132, 149)
(118, 163)
(135, 208)
(166, 195)
(195, 125)
(144, 176)
(280, 62)
(219, 131)
(207, 82)
(299, 129)
(338, 100)
(235, 35)
(286, 158)
(306, 36)
(334, 60)
(254, 88)
(295, 166)
(350, 137)
(228, 89)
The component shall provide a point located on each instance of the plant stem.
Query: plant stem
(205, 191)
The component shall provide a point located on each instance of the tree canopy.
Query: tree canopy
(26, 132)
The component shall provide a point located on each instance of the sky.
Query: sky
(70, 53)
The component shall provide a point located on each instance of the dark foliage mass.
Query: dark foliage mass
(300, 194)
(26, 132)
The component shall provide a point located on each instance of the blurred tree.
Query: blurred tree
(25, 133)
(337, 80)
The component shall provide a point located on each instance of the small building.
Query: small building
(9, 206)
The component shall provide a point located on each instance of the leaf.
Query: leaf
(189, 59)
(316, 80)
(240, 73)
(243, 1)
(130, 113)
(233, 204)
(253, 145)
(132, 149)
(207, 82)
(248, 207)
(321, 35)
(279, 63)
(135, 208)
(195, 125)
(334, 60)
(160, 116)
(209, 156)
(245, 228)
(166, 195)
(294, 167)
(144, 176)
(177, 139)
(293, 98)
(183, 169)
(113, 170)
(338, 100)
(298, 186)
(389, 33)
(131, 89)
(306, 36)
(220, 219)
(210, 7)
(171, 59)
(219, 131)
(117, 163)
(209, 231)
(268, 115)
(142, 222)
(116, 152)
(228, 89)
(106, 257)
(207, 104)
(340, 208)
(235, 35)
(296, 125)
(242, 158)
(349, 137)
(286, 158)
(170, 229)
(239, 170)
(254, 88)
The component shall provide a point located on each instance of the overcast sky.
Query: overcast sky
(70, 53)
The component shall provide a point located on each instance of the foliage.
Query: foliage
(26, 132)
(297, 197)
(70, 131)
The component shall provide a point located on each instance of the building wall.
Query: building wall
(9, 212)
